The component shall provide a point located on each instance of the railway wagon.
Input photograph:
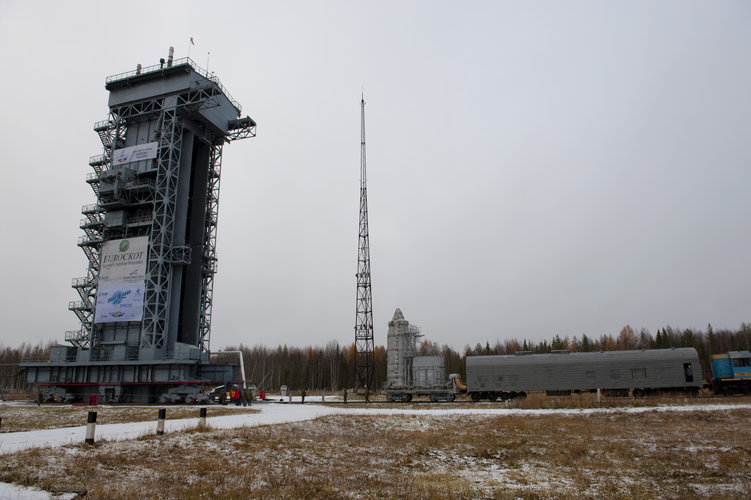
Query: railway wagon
(561, 373)
(732, 372)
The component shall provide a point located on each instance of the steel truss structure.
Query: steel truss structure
(364, 345)
(173, 199)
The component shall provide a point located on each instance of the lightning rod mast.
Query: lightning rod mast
(364, 347)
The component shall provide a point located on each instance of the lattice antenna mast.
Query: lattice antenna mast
(364, 366)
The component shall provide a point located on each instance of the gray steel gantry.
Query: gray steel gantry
(181, 116)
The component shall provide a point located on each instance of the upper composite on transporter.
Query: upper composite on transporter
(617, 373)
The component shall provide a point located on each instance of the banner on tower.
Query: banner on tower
(122, 280)
(135, 153)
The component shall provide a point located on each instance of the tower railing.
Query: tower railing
(177, 62)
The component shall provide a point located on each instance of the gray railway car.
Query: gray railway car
(618, 372)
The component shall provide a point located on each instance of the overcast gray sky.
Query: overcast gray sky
(534, 168)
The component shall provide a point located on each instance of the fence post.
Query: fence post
(160, 421)
(202, 417)
(90, 427)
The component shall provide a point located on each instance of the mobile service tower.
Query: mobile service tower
(150, 241)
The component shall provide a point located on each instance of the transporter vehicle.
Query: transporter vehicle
(411, 374)
(436, 392)
(618, 373)
(731, 372)
(189, 394)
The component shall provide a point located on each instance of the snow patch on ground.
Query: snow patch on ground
(13, 492)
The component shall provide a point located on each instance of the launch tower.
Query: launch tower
(150, 241)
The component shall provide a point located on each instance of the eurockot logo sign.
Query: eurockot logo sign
(135, 153)
(122, 280)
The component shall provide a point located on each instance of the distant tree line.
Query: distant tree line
(312, 368)
(11, 377)
(331, 367)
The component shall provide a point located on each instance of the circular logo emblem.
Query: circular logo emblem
(124, 245)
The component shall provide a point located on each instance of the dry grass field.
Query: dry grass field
(613, 454)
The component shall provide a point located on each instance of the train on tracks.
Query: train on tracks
(561, 373)
(731, 372)
(637, 373)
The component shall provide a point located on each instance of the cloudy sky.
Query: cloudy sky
(534, 168)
